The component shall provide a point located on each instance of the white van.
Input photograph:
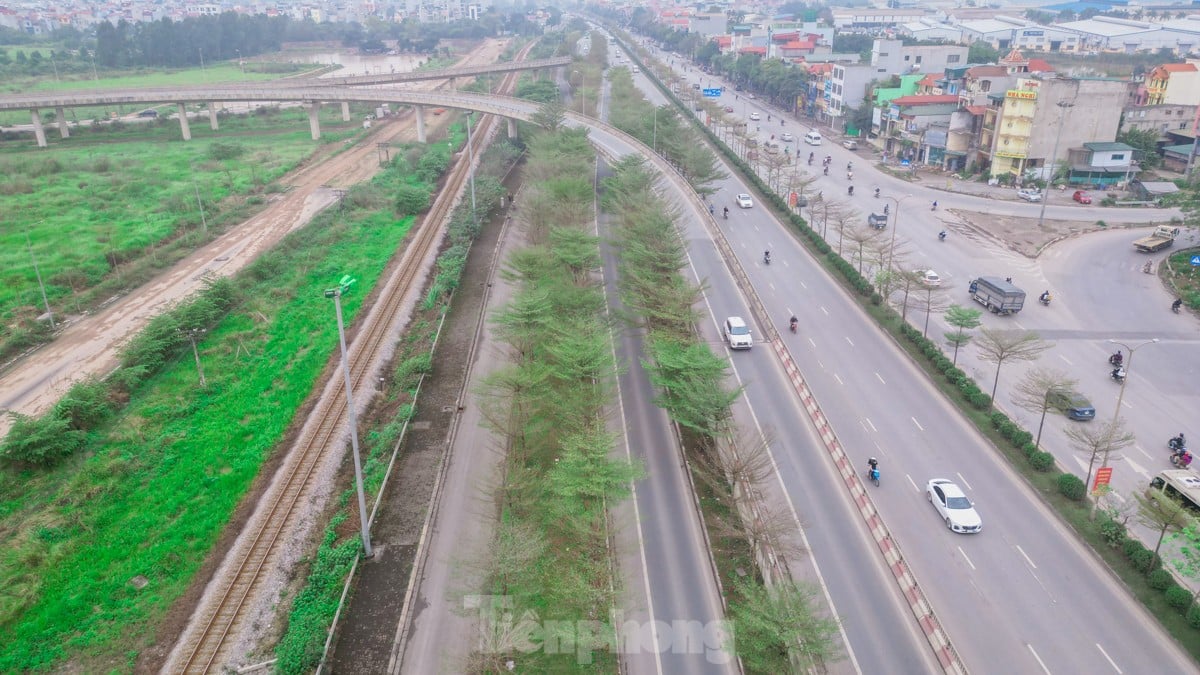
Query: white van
(812, 138)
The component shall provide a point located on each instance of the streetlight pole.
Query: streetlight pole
(336, 293)
(1121, 395)
(582, 82)
(1062, 116)
(38, 273)
(895, 226)
(471, 166)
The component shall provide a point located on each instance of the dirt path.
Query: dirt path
(89, 346)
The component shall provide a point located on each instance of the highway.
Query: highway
(1022, 593)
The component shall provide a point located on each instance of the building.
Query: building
(1007, 32)
(1101, 164)
(846, 89)
(1027, 128)
(928, 29)
(1173, 83)
(866, 18)
(1159, 118)
(907, 122)
(893, 57)
(1108, 34)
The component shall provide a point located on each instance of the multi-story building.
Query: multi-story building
(1029, 127)
(1173, 83)
(846, 88)
(1159, 118)
(893, 57)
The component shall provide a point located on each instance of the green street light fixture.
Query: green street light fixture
(336, 293)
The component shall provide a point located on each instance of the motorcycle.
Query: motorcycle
(1117, 375)
(876, 193)
(826, 170)
(1045, 300)
(850, 190)
(792, 326)
(1176, 305)
(1115, 360)
(1181, 459)
(942, 235)
(873, 475)
(934, 207)
(1175, 445)
(766, 258)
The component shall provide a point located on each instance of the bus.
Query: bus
(1180, 484)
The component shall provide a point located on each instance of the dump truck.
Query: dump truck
(1000, 296)
(1162, 237)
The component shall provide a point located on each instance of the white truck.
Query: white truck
(1162, 237)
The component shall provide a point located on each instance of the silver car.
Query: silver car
(953, 506)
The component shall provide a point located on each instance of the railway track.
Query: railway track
(221, 620)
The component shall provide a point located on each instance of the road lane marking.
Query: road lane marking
(1027, 558)
(1110, 661)
(910, 482)
(1138, 468)
(1018, 324)
(868, 420)
(849, 340)
(1039, 659)
(964, 555)
(1117, 495)
(883, 381)
(964, 480)
(835, 376)
(802, 285)
(771, 285)
(1066, 359)
(814, 344)
(824, 310)
(1139, 449)
(1126, 404)
(914, 420)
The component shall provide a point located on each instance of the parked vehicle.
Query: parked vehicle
(1082, 197)
(998, 295)
(1163, 237)
(850, 144)
(1030, 194)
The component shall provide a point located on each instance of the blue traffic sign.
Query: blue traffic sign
(713, 92)
(1196, 261)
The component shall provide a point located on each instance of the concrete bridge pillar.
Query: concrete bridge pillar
(420, 124)
(212, 114)
(314, 122)
(345, 111)
(38, 132)
(183, 122)
(62, 122)
(512, 128)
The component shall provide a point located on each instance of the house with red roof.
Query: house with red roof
(1173, 83)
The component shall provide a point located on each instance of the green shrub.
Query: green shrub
(1007, 429)
(998, 419)
(1029, 449)
(1145, 561)
(1113, 532)
(86, 404)
(1178, 597)
(1131, 547)
(1021, 438)
(40, 441)
(1071, 486)
(1193, 616)
(980, 400)
(1042, 461)
(1159, 580)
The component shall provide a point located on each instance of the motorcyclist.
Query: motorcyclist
(849, 175)
(1178, 443)
(942, 235)
(726, 212)
(1117, 359)
(1118, 373)
(872, 467)
(767, 257)
(934, 206)
(792, 323)
(877, 193)
(1185, 458)
(1045, 297)
(885, 209)
(849, 165)
(811, 155)
(712, 210)
(826, 169)
(1176, 305)
(850, 190)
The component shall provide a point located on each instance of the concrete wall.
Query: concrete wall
(1094, 117)
(1160, 118)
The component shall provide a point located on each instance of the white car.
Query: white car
(786, 137)
(744, 201)
(755, 116)
(1030, 194)
(737, 333)
(953, 506)
(930, 278)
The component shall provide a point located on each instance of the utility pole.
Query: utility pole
(190, 334)
(38, 273)
(1063, 107)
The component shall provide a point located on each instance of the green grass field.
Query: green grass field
(153, 491)
(223, 72)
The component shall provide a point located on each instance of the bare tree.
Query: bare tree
(928, 299)
(1035, 391)
(1162, 512)
(1099, 443)
(850, 228)
(998, 347)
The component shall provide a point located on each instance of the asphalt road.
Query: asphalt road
(1022, 593)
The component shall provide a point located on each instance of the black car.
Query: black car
(1074, 405)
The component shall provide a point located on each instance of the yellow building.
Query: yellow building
(1014, 128)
